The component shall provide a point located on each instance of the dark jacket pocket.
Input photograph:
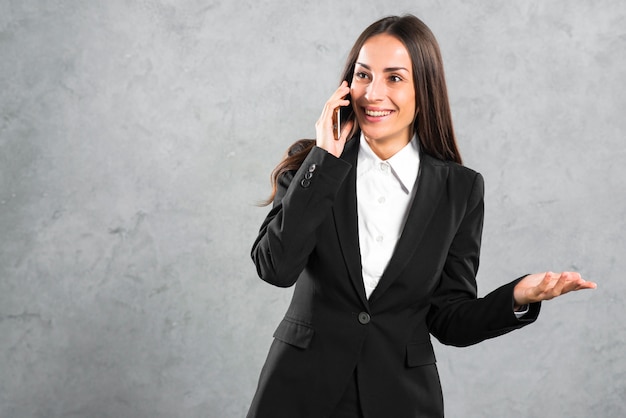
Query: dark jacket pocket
(294, 333)
(419, 354)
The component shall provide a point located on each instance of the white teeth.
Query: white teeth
(377, 113)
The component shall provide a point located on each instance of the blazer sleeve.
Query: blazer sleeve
(303, 200)
(457, 317)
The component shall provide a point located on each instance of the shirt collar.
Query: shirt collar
(404, 163)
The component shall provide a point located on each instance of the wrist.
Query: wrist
(519, 293)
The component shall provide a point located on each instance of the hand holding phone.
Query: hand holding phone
(341, 115)
(332, 128)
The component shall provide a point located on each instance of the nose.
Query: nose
(375, 90)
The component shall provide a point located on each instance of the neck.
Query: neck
(385, 149)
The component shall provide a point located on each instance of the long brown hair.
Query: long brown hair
(433, 123)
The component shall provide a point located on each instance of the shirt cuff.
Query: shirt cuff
(521, 311)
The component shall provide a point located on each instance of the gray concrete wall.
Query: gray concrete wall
(136, 137)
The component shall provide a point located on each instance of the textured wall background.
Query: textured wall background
(136, 136)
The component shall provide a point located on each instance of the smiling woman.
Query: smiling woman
(380, 229)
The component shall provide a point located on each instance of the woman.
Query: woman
(379, 228)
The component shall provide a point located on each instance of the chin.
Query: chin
(373, 134)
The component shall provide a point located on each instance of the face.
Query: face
(383, 94)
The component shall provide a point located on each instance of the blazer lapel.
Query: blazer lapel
(345, 214)
(430, 185)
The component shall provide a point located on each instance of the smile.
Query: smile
(377, 113)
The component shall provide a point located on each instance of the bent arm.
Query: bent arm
(303, 200)
(457, 317)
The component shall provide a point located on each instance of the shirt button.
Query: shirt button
(383, 166)
(381, 199)
(364, 318)
(379, 238)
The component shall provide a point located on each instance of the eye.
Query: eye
(361, 75)
(395, 78)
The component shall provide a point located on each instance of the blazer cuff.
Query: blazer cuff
(531, 311)
(321, 166)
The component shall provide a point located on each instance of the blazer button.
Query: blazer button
(308, 175)
(312, 168)
(305, 183)
(364, 318)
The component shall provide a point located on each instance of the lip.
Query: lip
(376, 114)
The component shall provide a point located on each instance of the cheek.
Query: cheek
(409, 102)
(355, 92)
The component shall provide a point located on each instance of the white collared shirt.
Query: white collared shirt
(385, 190)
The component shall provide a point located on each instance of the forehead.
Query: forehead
(384, 51)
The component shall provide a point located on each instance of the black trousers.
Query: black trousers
(349, 405)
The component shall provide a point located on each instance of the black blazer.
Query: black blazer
(310, 238)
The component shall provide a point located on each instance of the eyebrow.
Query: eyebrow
(387, 70)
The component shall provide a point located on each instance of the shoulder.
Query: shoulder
(456, 170)
(460, 180)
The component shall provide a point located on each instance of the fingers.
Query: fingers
(557, 284)
(340, 93)
(336, 100)
(545, 286)
(575, 282)
(544, 290)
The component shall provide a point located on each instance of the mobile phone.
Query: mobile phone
(342, 115)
